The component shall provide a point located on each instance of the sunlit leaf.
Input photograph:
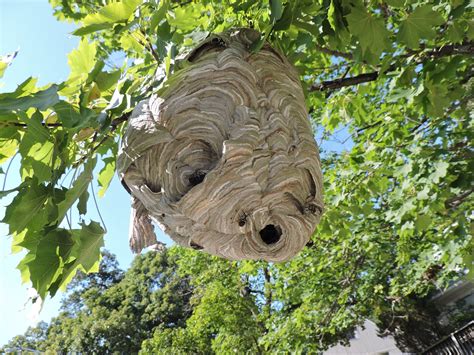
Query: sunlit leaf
(420, 24)
(107, 15)
(79, 186)
(106, 175)
(371, 31)
(41, 100)
(24, 210)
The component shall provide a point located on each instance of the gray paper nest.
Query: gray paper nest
(224, 160)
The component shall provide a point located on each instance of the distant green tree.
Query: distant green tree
(112, 311)
(32, 340)
(82, 284)
(115, 312)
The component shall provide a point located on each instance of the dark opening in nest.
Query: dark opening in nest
(270, 234)
(196, 178)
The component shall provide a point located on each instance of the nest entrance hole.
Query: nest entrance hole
(196, 178)
(270, 234)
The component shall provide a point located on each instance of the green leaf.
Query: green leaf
(455, 33)
(105, 80)
(114, 12)
(3, 67)
(159, 15)
(41, 100)
(164, 34)
(70, 117)
(90, 240)
(47, 265)
(440, 171)
(331, 17)
(260, 41)
(23, 267)
(24, 210)
(106, 175)
(335, 19)
(286, 18)
(82, 60)
(438, 98)
(129, 43)
(67, 114)
(395, 3)
(91, 29)
(78, 188)
(85, 253)
(60, 253)
(82, 203)
(107, 15)
(308, 27)
(168, 62)
(276, 10)
(370, 31)
(470, 30)
(37, 150)
(27, 239)
(26, 87)
(188, 18)
(422, 222)
(9, 137)
(420, 24)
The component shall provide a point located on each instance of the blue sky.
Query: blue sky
(29, 25)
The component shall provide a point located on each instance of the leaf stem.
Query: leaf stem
(8, 169)
(97, 208)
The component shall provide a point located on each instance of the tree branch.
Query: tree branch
(150, 46)
(455, 201)
(24, 125)
(452, 49)
(333, 52)
(115, 123)
(113, 126)
(362, 129)
(342, 82)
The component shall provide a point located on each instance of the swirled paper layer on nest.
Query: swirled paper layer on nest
(224, 159)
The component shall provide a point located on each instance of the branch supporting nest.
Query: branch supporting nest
(445, 51)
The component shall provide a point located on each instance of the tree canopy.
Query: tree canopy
(111, 310)
(178, 302)
(389, 85)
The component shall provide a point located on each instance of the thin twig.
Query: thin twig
(362, 129)
(149, 46)
(333, 52)
(113, 126)
(24, 125)
(6, 171)
(69, 220)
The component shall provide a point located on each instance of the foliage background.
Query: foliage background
(395, 77)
